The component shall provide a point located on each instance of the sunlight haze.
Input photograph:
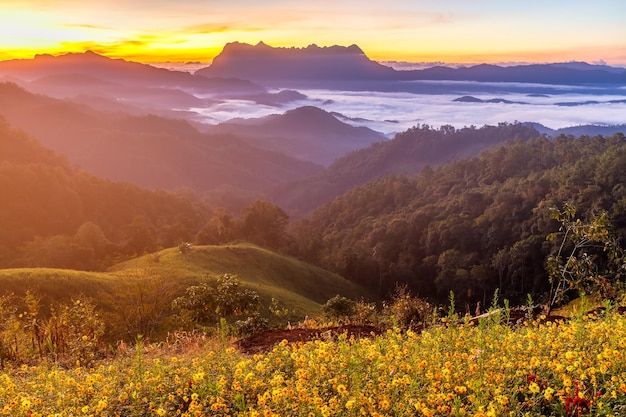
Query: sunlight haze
(415, 31)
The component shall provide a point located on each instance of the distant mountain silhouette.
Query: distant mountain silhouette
(536, 73)
(587, 102)
(89, 73)
(313, 63)
(307, 133)
(97, 66)
(80, 66)
(588, 130)
(334, 67)
(472, 99)
(125, 86)
(349, 67)
(149, 151)
(577, 65)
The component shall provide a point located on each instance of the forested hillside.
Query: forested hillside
(406, 154)
(470, 226)
(55, 215)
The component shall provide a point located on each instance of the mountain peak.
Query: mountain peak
(354, 48)
(87, 55)
(262, 62)
(310, 111)
(91, 54)
(242, 47)
(92, 64)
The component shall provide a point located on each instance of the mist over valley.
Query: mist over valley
(342, 81)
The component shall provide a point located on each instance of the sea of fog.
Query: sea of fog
(433, 103)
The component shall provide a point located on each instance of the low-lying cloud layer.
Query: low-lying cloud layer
(392, 112)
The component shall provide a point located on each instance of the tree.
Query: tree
(59, 251)
(454, 274)
(91, 235)
(220, 229)
(91, 240)
(264, 223)
(139, 236)
(588, 259)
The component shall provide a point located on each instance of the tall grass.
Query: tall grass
(488, 368)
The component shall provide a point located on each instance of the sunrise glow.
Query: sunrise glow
(423, 31)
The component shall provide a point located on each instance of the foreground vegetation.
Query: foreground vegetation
(485, 368)
(136, 297)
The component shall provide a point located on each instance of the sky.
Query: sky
(448, 31)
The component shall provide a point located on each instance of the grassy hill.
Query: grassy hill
(55, 285)
(159, 277)
(302, 287)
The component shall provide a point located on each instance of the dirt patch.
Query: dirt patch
(265, 341)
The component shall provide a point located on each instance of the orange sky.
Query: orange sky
(405, 30)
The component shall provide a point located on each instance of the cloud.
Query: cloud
(86, 26)
(223, 27)
(207, 28)
(390, 113)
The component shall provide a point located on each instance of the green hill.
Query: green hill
(55, 285)
(156, 279)
(301, 286)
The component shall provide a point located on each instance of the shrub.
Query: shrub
(407, 311)
(339, 308)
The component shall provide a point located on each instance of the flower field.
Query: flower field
(574, 368)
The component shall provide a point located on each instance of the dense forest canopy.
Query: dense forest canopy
(406, 154)
(472, 226)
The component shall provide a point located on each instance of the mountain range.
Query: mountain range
(331, 66)
(580, 130)
(133, 122)
(148, 150)
(131, 87)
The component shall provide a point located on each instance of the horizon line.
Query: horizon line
(393, 63)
